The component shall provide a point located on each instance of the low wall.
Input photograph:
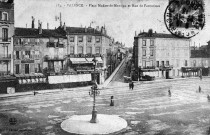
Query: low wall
(69, 78)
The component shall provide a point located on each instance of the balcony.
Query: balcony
(149, 67)
(5, 57)
(4, 73)
(166, 67)
(55, 44)
(53, 58)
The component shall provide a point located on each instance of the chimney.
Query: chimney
(60, 20)
(64, 26)
(102, 30)
(97, 28)
(47, 25)
(135, 33)
(150, 32)
(38, 23)
(40, 28)
(26, 25)
(85, 29)
(32, 24)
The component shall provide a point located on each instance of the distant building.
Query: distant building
(83, 45)
(200, 58)
(6, 32)
(160, 55)
(38, 50)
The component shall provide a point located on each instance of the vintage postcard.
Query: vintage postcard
(115, 67)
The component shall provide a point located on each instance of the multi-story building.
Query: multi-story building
(6, 32)
(38, 50)
(83, 45)
(160, 55)
(200, 59)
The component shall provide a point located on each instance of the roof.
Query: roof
(199, 54)
(156, 35)
(32, 32)
(86, 31)
(7, 5)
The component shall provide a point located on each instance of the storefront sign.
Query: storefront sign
(27, 61)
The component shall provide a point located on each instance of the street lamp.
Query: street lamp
(94, 92)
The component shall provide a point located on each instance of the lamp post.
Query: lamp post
(94, 92)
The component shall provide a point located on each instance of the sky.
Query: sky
(121, 22)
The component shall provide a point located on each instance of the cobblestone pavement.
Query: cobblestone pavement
(148, 109)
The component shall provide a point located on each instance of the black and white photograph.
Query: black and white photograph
(104, 67)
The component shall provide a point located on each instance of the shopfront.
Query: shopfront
(33, 81)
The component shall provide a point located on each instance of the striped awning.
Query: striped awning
(78, 60)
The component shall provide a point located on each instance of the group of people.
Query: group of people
(131, 85)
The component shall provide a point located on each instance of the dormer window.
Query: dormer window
(4, 16)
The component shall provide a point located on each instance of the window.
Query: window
(162, 63)
(17, 55)
(98, 50)
(71, 39)
(80, 38)
(194, 63)
(89, 50)
(89, 38)
(71, 49)
(26, 68)
(37, 68)
(4, 34)
(144, 63)
(151, 52)
(157, 63)
(177, 63)
(151, 42)
(5, 16)
(98, 40)
(144, 42)
(185, 63)
(151, 63)
(167, 63)
(27, 54)
(36, 41)
(36, 54)
(17, 68)
(32, 40)
(80, 50)
(144, 52)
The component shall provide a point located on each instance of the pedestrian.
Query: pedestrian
(200, 77)
(129, 85)
(34, 92)
(208, 97)
(112, 101)
(132, 85)
(169, 92)
(199, 89)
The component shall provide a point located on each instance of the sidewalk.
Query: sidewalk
(43, 91)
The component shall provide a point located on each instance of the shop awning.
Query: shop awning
(99, 60)
(90, 60)
(29, 75)
(78, 60)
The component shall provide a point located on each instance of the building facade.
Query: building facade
(83, 45)
(38, 51)
(6, 32)
(160, 55)
(200, 59)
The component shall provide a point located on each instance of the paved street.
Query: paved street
(148, 109)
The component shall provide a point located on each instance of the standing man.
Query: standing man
(129, 85)
(200, 74)
(132, 85)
